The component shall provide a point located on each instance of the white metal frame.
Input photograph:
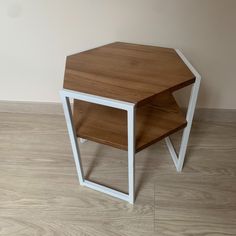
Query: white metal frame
(178, 159)
(130, 108)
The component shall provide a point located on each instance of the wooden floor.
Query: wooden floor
(40, 193)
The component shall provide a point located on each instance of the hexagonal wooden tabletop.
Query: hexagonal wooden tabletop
(127, 72)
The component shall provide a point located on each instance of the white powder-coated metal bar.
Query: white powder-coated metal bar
(130, 108)
(179, 161)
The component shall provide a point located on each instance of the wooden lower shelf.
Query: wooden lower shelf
(154, 121)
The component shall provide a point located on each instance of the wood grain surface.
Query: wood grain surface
(40, 193)
(154, 121)
(127, 72)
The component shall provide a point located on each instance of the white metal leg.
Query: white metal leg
(130, 108)
(73, 138)
(82, 140)
(172, 151)
(131, 152)
(179, 159)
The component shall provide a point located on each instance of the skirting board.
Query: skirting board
(31, 107)
(201, 114)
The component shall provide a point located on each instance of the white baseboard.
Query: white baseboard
(31, 107)
(201, 114)
(215, 115)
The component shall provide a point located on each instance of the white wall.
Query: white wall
(36, 35)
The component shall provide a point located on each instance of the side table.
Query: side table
(123, 98)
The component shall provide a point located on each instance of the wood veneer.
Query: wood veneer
(128, 72)
(154, 121)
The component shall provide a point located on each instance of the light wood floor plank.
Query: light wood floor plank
(40, 192)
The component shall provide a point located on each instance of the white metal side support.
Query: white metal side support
(82, 140)
(179, 159)
(130, 108)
